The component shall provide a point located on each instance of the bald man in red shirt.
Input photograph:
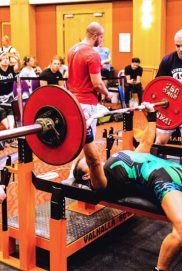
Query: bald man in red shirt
(84, 69)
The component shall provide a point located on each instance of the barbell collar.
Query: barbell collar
(46, 123)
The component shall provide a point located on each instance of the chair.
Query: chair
(19, 101)
(35, 84)
(122, 88)
(121, 79)
(24, 88)
(17, 112)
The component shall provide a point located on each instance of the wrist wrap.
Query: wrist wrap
(152, 116)
(89, 136)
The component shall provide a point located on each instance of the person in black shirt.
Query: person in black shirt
(171, 65)
(133, 74)
(7, 71)
(52, 75)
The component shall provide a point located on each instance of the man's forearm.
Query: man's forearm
(17, 66)
(94, 162)
(148, 136)
(101, 88)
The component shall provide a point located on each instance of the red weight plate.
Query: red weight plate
(68, 106)
(162, 88)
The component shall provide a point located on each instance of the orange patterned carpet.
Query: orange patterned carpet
(62, 172)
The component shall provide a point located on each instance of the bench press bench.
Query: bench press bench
(55, 242)
(134, 204)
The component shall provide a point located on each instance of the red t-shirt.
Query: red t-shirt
(83, 60)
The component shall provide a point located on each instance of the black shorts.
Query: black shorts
(161, 182)
(4, 112)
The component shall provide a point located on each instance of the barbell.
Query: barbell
(107, 112)
(55, 126)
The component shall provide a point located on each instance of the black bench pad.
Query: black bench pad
(133, 202)
(141, 204)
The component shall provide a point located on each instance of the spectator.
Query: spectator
(63, 68)
(84, 67)
(133, 74)
(105, 59)
(52, 75)
(7, 72)
(7, 48)
(171, 65)
(28, 70)
(105, 62)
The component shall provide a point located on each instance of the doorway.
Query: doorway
(73, 20)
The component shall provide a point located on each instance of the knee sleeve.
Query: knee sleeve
(89, 136)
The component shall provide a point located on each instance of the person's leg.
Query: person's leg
(5, 123)
(180, 128)
(172, 206)
(11, 121)
(163, 136)
(127, 91)
(8, 123)
(170, 247)
(139, 91)
(3, 117)
(88, 111)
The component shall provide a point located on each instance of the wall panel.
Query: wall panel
(4, 17)
(46, 41)
(122, 23)
(173, 22)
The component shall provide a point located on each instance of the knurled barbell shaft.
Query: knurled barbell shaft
(138, 107)
(122, 111)
(21, 131)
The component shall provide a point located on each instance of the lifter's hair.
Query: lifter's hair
(78, 173)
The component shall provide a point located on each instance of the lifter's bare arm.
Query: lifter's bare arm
(148, 136)
(97, 176)
(99, 85)
(93, 158)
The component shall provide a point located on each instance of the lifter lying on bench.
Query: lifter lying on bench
(139, 173)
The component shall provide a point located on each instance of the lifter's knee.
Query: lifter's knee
(176, 234)
(162, 138)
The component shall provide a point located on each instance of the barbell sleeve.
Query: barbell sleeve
(21, 131)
